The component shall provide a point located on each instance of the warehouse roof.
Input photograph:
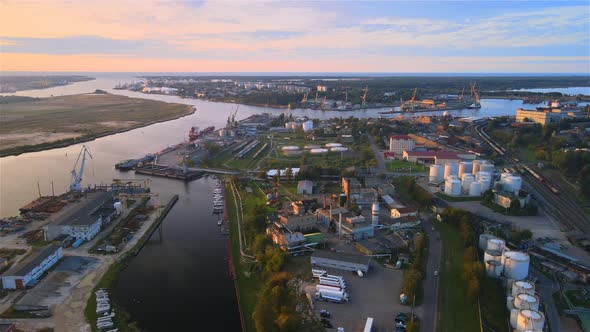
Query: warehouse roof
(83, 213)
(339, 256)
(23, 268)
(401, 137)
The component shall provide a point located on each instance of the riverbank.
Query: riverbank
(57, 122)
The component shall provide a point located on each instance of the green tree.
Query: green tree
(288, 174)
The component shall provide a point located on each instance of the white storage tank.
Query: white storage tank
(496, 244)
(118, 207)
(530, 320)
(493, 269)
(483, 240)
(475, 188)
(339, 149)
(477, 165)
(513, 318)
(512, 184)
(522, 287)
(466, 181)
(487, 167)
(509, 302)
(453, 187)
(307, 126)
(451, 169)
(492, 255)
(318, 151)
(526, 301)
(434, 174)
(516, 264)
(375, 213)
(465, 167)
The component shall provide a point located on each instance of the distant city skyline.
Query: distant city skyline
(254, 36)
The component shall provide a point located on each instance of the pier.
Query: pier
(169, 172)
(155, 225)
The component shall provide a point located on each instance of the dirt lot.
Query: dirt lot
(375, 295)
(79, 116)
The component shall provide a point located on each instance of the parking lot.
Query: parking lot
(375, 295)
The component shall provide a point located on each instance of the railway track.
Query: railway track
(555, 202)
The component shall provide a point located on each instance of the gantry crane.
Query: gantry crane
(304, 99)
(461, 96)
(364, 98)
(76, 182)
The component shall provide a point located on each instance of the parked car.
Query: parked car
(325, 313)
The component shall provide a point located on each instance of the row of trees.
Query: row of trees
(413, 276)
(407, 186)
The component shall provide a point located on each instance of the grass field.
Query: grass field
(61, 121)
(248, 286)
(457, 314)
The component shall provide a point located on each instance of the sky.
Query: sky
(317, 36)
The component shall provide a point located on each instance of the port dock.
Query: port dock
(169, 172)
(156, 224)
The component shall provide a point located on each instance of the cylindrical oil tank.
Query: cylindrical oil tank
(487, 167)
(466, 181)
(526, 301)
(318, 151)
(339, 149)
(307, 126)
(522, 287)
(493, 269)
(492, 254)
(513, 184)
(483, 240)
(453, 187)
(450, 169)
(477, 165)
(434, 174)
(496, 244)
(530, 320)
(509, 302)
(465, 167)
(475, 188)
(516, 264)
(513, 318)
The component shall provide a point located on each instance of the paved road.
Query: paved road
(429, 308)
(378, 155)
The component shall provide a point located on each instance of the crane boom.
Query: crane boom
(76, 183)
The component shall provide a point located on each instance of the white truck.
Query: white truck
(332, 283)
(337, 297)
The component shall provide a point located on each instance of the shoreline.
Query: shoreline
(73, 141)
(49, 87)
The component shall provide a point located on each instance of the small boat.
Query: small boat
(219, 222)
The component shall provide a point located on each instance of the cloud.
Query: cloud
(285, 32)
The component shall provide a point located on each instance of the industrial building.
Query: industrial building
(436, 157)
(406, 211)
(400, 143)
(304, 187)
(340, 261)
(300, 223)
(27, 273)
(84, 219)
(540, 117)
(284, 238)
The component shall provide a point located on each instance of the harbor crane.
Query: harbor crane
(304, 99)
(76, 183)
(475, 97)
(364, 97)
(461, 96)
(231, 119)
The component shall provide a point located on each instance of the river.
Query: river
(180, 279)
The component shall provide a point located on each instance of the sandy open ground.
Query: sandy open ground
(84, 117)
